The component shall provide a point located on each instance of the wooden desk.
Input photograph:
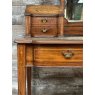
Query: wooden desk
(45, 52)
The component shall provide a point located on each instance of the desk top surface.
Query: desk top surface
(56, 40)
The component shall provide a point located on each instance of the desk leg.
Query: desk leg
(29, 80)
(21, 69)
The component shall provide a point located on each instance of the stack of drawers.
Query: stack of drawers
(44, 21)
(44, 26)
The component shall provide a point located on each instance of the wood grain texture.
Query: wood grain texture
(29, 54)
(56, 40)
(61, 26)
(73, 23)
(61, 19)
(62, 4)
(44, 26)
(77, 27)
(38, 21)
(52, 55)
(44, 31)
(28, 25)
(29, 60)
(43, 9)
(73, 29)
(29, 77)
(21, 69)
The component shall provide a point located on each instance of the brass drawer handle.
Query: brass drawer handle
(44, 20)
(44, 30)
(68, 54)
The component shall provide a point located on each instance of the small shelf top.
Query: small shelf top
(43, 9)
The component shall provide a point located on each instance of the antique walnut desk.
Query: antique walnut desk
(45, 44)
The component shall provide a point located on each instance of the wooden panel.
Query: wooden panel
(73, 30)
(43, 9)
(56, 40)
(44, 31)
(21, 70)
(50, 55)
(29, 55)
(28, 25)
(43, 21)
(61, 26)
(61, 18)
(73, 33)
(74, 24)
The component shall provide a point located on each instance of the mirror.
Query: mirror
(74, 10)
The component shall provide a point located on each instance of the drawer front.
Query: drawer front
(44, 31)
(44, 21)
(58, 56)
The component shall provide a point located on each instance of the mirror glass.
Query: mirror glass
(74, 10)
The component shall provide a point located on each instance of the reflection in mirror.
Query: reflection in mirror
(74, 9)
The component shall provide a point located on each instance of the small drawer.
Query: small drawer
(44, 21)
(44, 31)
(58, 56)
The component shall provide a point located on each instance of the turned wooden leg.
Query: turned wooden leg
(29, 80)
(21, 70)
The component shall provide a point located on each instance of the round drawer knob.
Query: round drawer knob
(44, 20)
(68, 54)
(44, 30)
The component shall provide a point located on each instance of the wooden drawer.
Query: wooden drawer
(58, 55)
(44, 31)
(44, 21)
